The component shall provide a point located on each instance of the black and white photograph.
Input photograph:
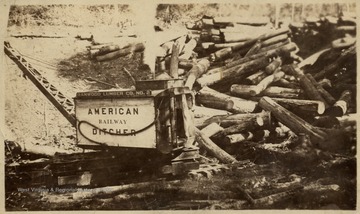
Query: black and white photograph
(192, 106)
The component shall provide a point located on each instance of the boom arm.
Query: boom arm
(58, 99)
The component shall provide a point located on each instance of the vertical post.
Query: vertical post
(174, 61)
(173, 120)
(188, 121)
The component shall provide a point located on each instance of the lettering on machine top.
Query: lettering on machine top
(114, 94)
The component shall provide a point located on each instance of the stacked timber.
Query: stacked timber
(110, 51)
(254, 88)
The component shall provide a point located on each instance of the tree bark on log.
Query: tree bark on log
(202, 114)
(249, 43)
(229, 73)
(277, 45)
(286, 84)
(254, 79)
(330, 100)
(248, 125)
(122, 52)
(263, 84)
(275, 40)
(277, 51)
(276, 63)
(212, 148)
(237, 138)
(213, 99)
(281, 92)
(196, 71)
(310, 106)
(226, 45)
(243, 91)
(254, 49)
(289, 119)
(246, 91)
(310, 90)
(229, 120)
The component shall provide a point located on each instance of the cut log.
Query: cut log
(268, 201)
(200, 112)
(185, 64)
(228, 74)
(226, 45)
(212, 148)
(309, 106)
(341, 106)
(286, 84)
(266, 82)
(230, 120)
(254, 49)
(276, 63)
(94, 47)
(247, 91)
(276, 51)
(213, 99)
(293, 70)
(310, 90)
(113, 190)
(251, 42)
(174, 61)
(325, 94)
(254, 79)
(237, 138)
(276, 45)
(273, 92)
(289, 119)
(196, 71)
(122, 52)
(110, 48)
(230, 37)
(277, 39)
(243, 91)
(248, 125)
(222, 53)
(281, 92)
(212, 129)
(188, 49)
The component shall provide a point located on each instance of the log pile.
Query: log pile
(110, 51)
(263, 91)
